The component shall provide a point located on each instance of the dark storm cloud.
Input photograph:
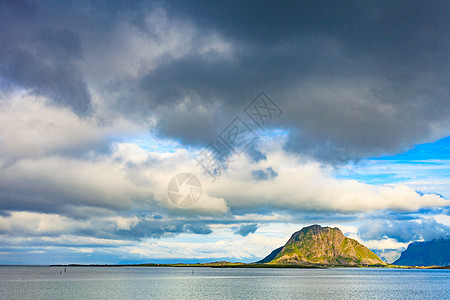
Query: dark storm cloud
(156, 229)
(42, 59)
(145, 229)
(354, 79)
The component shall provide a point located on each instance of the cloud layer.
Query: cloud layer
(353, 79)
(101, 104)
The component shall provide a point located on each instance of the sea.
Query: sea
(43, 282)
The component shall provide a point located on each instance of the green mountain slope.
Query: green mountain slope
(269, 257)
(324, 246)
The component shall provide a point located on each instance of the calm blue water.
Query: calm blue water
(207, 283)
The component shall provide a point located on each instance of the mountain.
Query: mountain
(432, 253)
(269, 257)
(317, 245)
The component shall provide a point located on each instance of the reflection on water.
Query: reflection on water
(210, 283)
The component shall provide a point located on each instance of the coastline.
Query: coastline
(250, 265)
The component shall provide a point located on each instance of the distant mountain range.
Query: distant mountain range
(432, 253)
(317, 245)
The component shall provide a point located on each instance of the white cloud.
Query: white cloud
(73, 240)
(37, 223)
(50, 190)
(31, 127)
(308, 186)
(131, 177)
(124, 223)
(386, 243)
(443, 219)
(229, 245)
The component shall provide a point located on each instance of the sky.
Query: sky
(312, 112)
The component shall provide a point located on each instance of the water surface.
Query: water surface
(221, 283)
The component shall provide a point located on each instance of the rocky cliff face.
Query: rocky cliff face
(324, 246)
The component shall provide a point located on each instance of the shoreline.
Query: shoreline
(251, 265)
